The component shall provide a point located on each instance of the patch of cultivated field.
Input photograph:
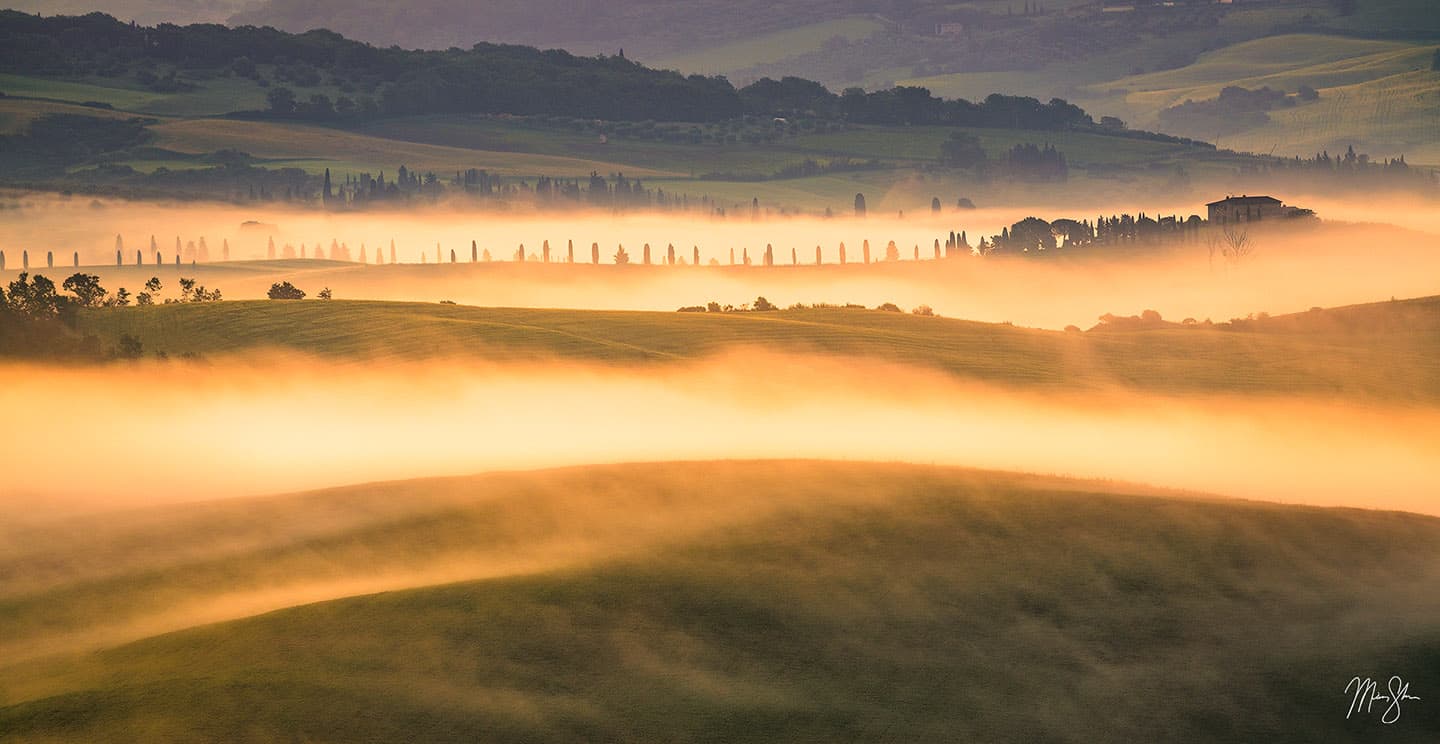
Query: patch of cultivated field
(729, 601)
(16, 114)
(317, 145)
(769, 48)
(1385, 118)
(1380, 96)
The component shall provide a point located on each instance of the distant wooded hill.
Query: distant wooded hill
(487, 78)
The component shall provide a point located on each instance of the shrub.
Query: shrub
(889, 307)
(285, 291)
(924, 310)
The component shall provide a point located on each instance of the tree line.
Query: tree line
(37, 321)
(486, 78)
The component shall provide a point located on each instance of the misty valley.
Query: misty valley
(813, 372)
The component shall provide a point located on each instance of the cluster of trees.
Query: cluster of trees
(37, 321)
(616, 191)
(51, 141)
(1236, 109)
(1034, 235)
(1024, 162)
(762, 305)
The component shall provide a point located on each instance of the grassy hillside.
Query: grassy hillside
(1380, 96)
(1385, 351)
(321, 147)
(737, 601)
(769, 48)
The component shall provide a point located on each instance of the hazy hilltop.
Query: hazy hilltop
(646, 27)
(144, 12)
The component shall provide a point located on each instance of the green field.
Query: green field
(211, 96)
(1380, 96)
(733, 601)
(769, 48)
(1333, 352)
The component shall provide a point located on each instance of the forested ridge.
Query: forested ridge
(487, 78)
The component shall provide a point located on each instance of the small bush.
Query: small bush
(889, 307)
(285, 291)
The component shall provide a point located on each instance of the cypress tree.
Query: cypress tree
(452, 255)
(647, 254)
(866, 251)
(670, 254)
(842, 254)
(77, 259)
(595, 253)
(474, 251)
(545, 251)
(392, 250)
(2, 260)
(937, 247)
(25, 260)
(697, 255)
(570, 251)
(225, 250)
(50, 259)
(794, 257)
(817, 255)
(859, 205)
(139, 259)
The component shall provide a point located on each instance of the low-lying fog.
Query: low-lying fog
(150, 433)
(1292, 267)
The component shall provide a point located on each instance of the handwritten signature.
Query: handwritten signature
(1368, 692)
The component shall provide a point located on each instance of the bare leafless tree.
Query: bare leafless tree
(1237, 245)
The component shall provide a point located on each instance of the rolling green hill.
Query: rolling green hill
(1379, 96)
(734, 601)
(1385, 351)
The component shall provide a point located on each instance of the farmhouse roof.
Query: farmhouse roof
(1245, 200)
